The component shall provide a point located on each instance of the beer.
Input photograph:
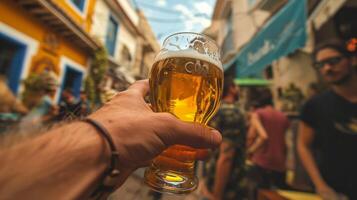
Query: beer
(188, 85)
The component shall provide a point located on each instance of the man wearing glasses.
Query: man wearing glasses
(329, 125)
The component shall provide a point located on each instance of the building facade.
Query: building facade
(229, 18)
(39, 35)
(235, 24)
(129, 41)
(62, 36)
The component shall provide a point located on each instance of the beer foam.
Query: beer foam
(188, 53)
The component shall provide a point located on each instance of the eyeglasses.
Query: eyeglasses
(331, 61)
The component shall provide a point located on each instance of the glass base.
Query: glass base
(170, 181)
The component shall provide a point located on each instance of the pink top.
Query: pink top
(272, 154)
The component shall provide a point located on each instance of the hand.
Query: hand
(204, 191)
(140, 134)
(203, 154)
(326, 192)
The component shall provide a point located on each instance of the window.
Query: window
(7, 53)
(79, 4)
(110, 40)
(12, 55)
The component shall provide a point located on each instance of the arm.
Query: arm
(305, 139)
(66, 162)
(74, 156)
(251, 134)
(262, 135)
(223, 169)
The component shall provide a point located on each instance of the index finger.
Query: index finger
(141, 87)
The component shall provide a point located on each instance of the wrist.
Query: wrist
(95, 144)
(115, 131)
(321, 186)
(112, 177)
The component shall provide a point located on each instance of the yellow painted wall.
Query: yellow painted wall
(16, 17)
(83, 19)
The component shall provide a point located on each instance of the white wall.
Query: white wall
(130, 11)
(127, 39)
(295, 69)
(100, 25)
(100, 20)
(246, 24)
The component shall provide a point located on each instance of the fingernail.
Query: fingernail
(216, 137)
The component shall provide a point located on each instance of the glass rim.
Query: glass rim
(193, 33)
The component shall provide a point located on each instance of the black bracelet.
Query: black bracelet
(110, 176)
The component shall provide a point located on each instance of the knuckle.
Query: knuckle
(139, 81)
(167, 126)
(130, 93)
(120, 94)
(167, 117)
(168, 121)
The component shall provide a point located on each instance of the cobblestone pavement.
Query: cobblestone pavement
(135, 189)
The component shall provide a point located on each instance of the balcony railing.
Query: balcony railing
(53, 16)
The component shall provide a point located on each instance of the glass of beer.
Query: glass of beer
(185, 80)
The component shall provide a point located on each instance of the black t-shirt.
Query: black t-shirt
(334, 120)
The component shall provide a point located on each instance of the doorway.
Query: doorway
(72, 80)
(12, 55)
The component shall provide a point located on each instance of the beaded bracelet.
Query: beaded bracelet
(110, 176)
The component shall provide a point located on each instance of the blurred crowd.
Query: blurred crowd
(39, 109)
(253, 154)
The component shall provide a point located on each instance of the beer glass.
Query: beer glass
(185, 80)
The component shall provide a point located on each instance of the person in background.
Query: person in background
(329, 124)
(69, 160)
(8, 101)
(84, 104)
(225, 171)
(268, 150)
(45, 111)
(11, 109)
(69, 106)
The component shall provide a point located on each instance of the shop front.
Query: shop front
(40, 36)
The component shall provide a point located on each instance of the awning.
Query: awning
(281, 35)
(252, 82)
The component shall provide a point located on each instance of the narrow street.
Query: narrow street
(135, 189)
(254, 98)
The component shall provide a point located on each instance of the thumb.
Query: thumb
(190, 134)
